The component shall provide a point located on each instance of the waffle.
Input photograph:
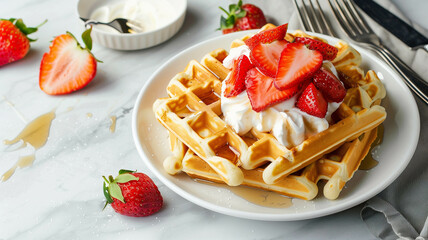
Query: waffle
(192, 114)
(336, 167)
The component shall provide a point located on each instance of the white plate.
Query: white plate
(400, 140)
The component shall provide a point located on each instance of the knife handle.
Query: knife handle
(418, 85)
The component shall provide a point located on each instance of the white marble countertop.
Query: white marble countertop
(60, 195)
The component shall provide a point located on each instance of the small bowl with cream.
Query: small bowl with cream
(158, 21)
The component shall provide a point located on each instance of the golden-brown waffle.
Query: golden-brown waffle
(193, 114)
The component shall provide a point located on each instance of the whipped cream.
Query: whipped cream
(146, 15)
(288, 124)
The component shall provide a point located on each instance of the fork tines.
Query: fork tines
(312, 17)
(349, 18)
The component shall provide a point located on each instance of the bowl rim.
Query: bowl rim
(124, 35)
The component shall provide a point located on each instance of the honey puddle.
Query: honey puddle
(369, 162)
(113, 124)
(22, 162)
(36, 134)
(256, 196)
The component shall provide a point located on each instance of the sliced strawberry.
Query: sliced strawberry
(296, 64)
(266, 56)
(312, 102)
(331, 87)
(235, 84)
(267, 36)
(261, 91)
(67, 67)
(328, 51)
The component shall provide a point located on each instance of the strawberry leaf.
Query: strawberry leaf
(122, 171)
(107, 194)
(86, 37)
(235, 12)
(19, 23)
(115, 191)
(241, 14)
(126, 177)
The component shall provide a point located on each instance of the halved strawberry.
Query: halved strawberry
(266, 56)
(267, 36)
(312, 102)
(296, 64)
(235, 84)
(261, 91)
(67, 67)
(328, 51)
(331, 87)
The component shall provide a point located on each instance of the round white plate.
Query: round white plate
(399, 143)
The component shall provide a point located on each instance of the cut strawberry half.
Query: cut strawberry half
(262, 92)
(328, 51)
(312, 102)
(267, 36)
(331, 87)
(266, 56)
(235, 84)
(67, 66)
(296, 64)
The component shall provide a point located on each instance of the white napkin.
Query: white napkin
(409, 193)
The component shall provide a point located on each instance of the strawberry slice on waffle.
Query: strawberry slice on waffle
(235, 83)
(266, 57)
(262, 92)
(267, 36)
(296, 64)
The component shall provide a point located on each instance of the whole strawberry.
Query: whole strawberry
(132, 194)
(14, 43)
(242, 17)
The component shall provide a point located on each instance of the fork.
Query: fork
(122, 25)
(313, 19)
(358, 30)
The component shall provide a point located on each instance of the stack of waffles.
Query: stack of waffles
(205, 147)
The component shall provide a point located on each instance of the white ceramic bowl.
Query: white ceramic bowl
(134, 41)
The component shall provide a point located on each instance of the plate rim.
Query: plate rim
(268, 216)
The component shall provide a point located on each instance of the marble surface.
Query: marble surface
(60, 195)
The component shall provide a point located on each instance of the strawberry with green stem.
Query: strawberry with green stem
(132, 194)
(241, 17)
(14, 40)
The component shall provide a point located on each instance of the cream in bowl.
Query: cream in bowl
(152, 22)
(147, 15)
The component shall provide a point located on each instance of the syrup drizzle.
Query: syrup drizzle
(256, 196)
(113, 124)
(36, 134)
(369, 162)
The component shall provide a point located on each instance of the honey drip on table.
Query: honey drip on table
(113, 124)
(369, 162)
(22, 162)
(36, 134)
(256, 196)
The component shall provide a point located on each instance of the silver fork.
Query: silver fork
(312, 17)
(359, 31)
(314, 20)
(122, 25)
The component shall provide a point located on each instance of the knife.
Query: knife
(393, 24)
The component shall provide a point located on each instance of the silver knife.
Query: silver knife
(393, 24)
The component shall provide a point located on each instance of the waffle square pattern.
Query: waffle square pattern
(204, 146)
